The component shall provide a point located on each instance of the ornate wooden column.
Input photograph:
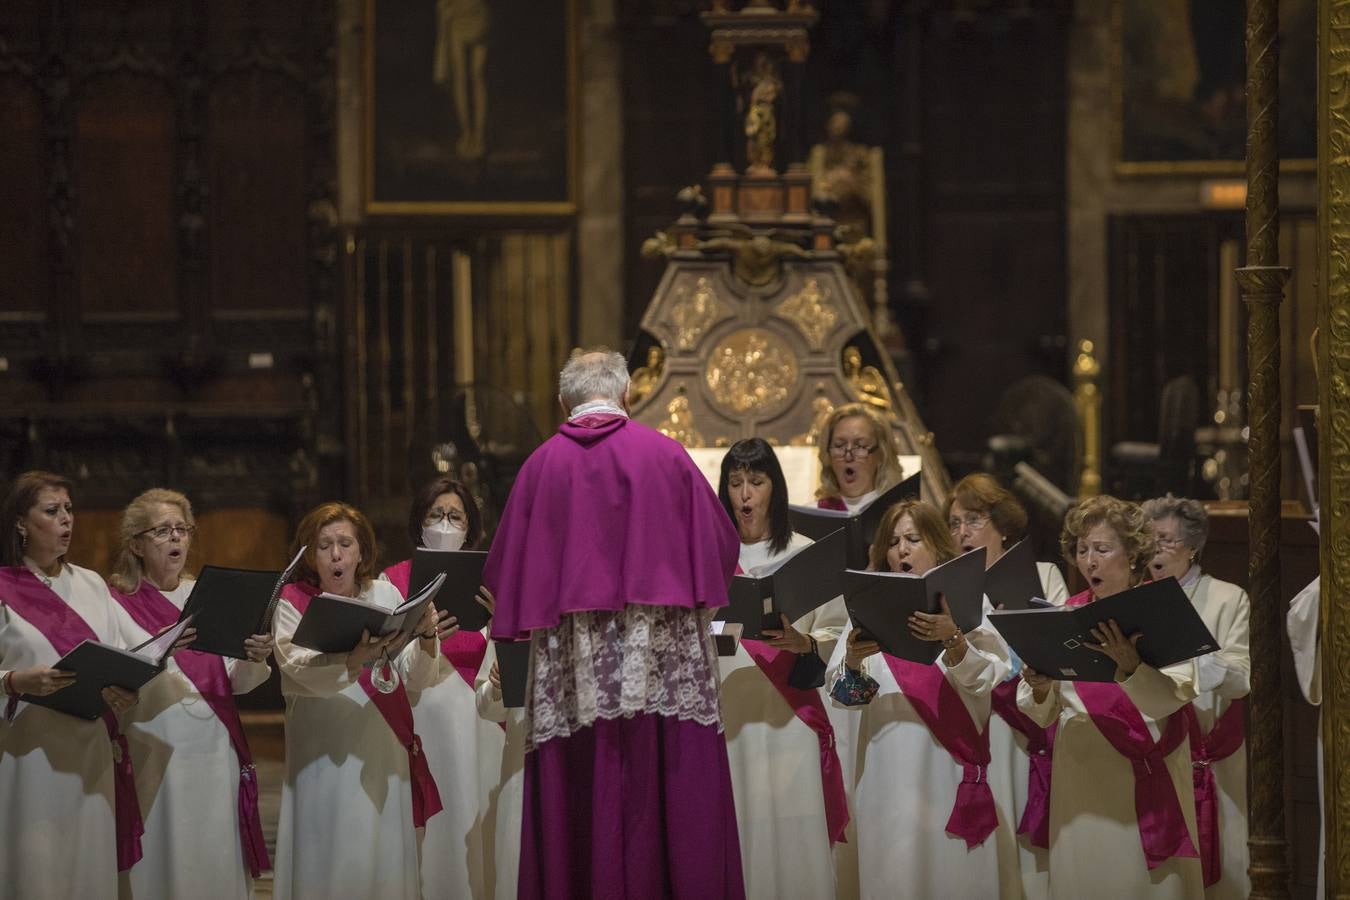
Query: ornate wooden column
(1333, 288)
(1262, 282)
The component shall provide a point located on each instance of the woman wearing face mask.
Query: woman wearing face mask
(982, 514)
(457, 847)
(357, 784)
(1223, 680)
(1122, 810)
(858, 459)
(194, 772)
(67, 789)
(923, 811)
(779, 740)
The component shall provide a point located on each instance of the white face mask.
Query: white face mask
(443, 536)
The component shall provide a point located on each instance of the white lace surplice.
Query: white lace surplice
(656, 660)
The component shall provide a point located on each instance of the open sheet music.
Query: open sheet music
(333, 624)
(793, 585)
(880, 603)
(463, 571)
(231, 605)
(859, 527)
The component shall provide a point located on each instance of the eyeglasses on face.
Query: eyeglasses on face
(161, 533)
(434, 517)
(1170, 543)
(973, 521)
(857, 450)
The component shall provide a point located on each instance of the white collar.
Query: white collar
(595, 407)
(1192, 575)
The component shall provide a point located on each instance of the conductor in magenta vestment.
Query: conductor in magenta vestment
(611, 556)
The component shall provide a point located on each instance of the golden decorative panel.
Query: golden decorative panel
(695, 312)
(751, 369)
(679, 423)
(813, 312)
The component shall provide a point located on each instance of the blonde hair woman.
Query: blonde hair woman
(858, 458)
(194, 772)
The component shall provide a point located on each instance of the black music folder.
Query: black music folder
(333, 624)
(1014, 581)
(858, 527)
(1051, 640)
(228, 606)
(97, 665)
(463, 576)
(793, 586)
(513, 664)
(880, 603)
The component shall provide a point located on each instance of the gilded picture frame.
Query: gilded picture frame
(470, 108)
(1178, 73)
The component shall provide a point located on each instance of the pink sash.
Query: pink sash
(974, 816)
(397, 712)
(151, 610)
(832, 503)
(777, 665)
(1162, 823)
(1223, 740)
(63, 628)
(1040, 748)
(464, 649)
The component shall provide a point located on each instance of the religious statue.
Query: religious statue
(761, 124)
(756, 259)
(843, 171)
(679, 423)
(868, 384)
(461, 61)
(645, 378)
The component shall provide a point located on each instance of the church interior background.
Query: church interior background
(275, 253)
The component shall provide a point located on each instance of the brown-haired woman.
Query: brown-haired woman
(920, 742)
(67, 789)
(858, 459)
(357, 785)
(194, 772)
(1117, 742)
(981, 513)
(457, 847)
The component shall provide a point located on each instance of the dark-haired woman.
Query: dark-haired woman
(69, 819)
(457, 850)
(357, 785)
(785, 775)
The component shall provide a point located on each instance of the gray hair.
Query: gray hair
(1191, 517)
(599, 374)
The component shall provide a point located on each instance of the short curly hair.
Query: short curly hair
(1191, 516)
(981, 493)
(1127, 520)
(928, 522)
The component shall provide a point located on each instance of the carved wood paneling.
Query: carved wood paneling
(23, 268)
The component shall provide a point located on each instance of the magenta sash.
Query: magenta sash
(810, 708)
(832, 503)
(63, 628)
(151, 610)
(397, 712)
(1223, 740)
(1040, 749)
(464, 649)
(974, 815)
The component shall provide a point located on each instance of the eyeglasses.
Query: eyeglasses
(858, 451)
(972, 521)
(434, 517)
(161, 533)
(1170, 543)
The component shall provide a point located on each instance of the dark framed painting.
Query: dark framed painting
(1179, 86)
(470, 107)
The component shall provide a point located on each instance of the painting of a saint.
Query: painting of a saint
(469, 106)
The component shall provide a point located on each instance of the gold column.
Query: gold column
(1087, 397)
(1262, 282)
(1333, 355)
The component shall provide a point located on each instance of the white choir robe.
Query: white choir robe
(1221, 678)
(775, 762)
(504, 781)
(1095, 849)
(187, 781)
(346, 827)
(1303, 624)
(903, 784)
(1009, 768)
(458, 744)
(58, 838)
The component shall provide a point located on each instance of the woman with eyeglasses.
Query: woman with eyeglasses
(194, 772)
(791, 803)
(457, 847)
(858, 459)
(1223, 680)
(1122, 806)
(357, 785)
(982, 513)
(69, 818)
(926, 821)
